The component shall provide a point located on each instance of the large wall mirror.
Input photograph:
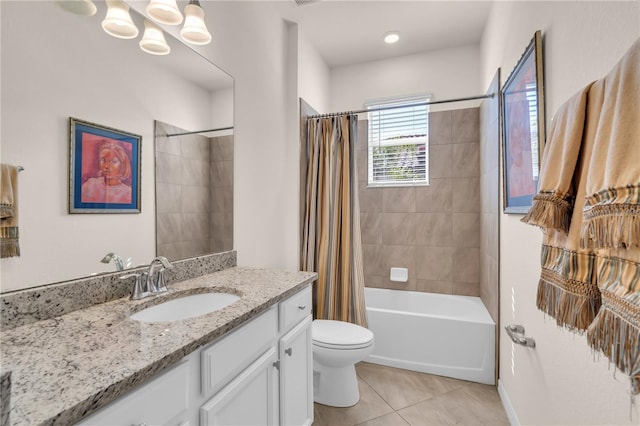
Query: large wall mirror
(56, 65)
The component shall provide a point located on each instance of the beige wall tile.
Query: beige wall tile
(466, 265)
(221, 173)
(434, 229)
(361, 165)
(169, 228)
(466, 289)
(371, 228)
(222, 148)
(465, 160)
(434, 263)
(436, 197)
(466, 195)
(465, 125)
(195, 172)
(373, 257)
(195, 226)
(429, 286)
(168, 198)
(440, 128)
(398, 228)
(195, 199)
(370, 198)
(410, 285)
(363, 135)
(398, 256)
(373, 281)
(168, 168)
(171, 251)
(399, 200)
(196, 147)
(440, 161)
(466, 229)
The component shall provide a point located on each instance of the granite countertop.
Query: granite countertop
(66, 367)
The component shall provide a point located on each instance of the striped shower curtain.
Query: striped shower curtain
(332, 244)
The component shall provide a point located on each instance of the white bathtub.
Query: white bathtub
(451, 336)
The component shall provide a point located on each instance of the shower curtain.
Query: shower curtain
(332, 243)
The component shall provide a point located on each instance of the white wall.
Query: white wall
(70, 68)
(560, 381)
(250, 42)
(313, 75)
(446, 74)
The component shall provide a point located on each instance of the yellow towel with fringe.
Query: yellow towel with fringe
(9, 243)
(588, 205)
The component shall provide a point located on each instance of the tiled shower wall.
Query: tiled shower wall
(434, 230)
(221, 190)
(489, 201)
(194, 195)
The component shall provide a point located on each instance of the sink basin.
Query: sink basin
(185, 307)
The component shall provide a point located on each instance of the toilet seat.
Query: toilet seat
(340, 335)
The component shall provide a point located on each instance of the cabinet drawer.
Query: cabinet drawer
(295, 309)
(227, 357)
(159, 401)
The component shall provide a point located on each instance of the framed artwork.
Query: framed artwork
(104, 169)
(523, 132)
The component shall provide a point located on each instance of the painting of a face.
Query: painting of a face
(110, 165)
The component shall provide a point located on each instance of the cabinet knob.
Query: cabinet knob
(302, 307)
(288, 351)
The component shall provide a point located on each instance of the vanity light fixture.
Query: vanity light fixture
(79, 7)
(153, 40)
(391, 37)
(194, 30)
(164, 11)
(118, 22)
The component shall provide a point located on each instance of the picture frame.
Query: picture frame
(104, 169)
(523, 129)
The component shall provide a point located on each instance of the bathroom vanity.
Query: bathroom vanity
(247, 363)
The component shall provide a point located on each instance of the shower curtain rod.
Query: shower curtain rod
(469, 98)
(200, 131)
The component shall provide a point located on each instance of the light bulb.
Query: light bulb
(391, 37)
(194, 30)
(79, 7)
(118, 22)
(153, 40)
(164, 11)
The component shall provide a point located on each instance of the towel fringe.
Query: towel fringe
(618, 227)
(619, 340)
(550, 210)
(571, 311)
(9, 242)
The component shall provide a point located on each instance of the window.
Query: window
(398, 142)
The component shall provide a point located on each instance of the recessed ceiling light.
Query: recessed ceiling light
(391, 37)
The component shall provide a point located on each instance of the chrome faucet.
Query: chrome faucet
(116, 259)
(157, 282)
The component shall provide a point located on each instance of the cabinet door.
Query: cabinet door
(249, 399)
(296, 376)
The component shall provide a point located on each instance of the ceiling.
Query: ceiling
(350, 32)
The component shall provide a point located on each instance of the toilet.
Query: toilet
(337, 346)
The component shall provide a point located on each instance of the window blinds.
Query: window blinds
(398, 143)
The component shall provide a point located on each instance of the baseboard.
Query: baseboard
(506, 403)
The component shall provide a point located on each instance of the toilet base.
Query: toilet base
(335, 386)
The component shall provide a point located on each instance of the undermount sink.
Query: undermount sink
(185, 307)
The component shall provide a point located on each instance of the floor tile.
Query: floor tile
(392, 419)
(402, 388)
(472, 404)
(371, 406)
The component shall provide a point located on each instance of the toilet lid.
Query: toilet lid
(340, 334)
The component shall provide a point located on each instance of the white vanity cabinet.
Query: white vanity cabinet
(259, 374)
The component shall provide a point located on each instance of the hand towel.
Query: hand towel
(553, 205)
(590, 278)
(9, 245)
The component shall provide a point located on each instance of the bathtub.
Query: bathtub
(451, 336)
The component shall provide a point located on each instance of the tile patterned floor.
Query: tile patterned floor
(395, 397)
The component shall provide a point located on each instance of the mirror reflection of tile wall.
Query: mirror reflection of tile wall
(194, 193)
(434, 230)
